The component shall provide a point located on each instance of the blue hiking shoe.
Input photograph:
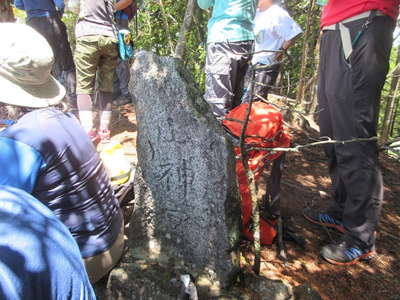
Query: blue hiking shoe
(323, 219)
(345, 254)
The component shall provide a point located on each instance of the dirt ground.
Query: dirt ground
(305, 183)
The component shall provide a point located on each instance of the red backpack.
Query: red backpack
(264, 129)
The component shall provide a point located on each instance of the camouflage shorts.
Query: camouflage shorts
(95, 54)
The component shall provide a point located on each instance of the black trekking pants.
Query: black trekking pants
(348, 96)
(226, 67)
(264, 79)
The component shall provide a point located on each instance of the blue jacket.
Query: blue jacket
(39, 259)
(48, 154)
(40, 8)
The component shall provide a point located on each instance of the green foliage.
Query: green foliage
(69, 20)
(153, 35)
(299, 11)
(387, 93)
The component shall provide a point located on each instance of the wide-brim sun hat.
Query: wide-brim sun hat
(26, 60)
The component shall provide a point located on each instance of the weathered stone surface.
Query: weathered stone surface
(187, 210)
(142, 281)
(267, 289)
(305, 292)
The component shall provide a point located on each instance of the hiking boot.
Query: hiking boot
(323, 219)
(94, 137)
(345, 254)
(104, 135)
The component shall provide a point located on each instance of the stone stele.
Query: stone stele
(187, 209)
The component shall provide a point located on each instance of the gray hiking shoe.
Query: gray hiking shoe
(344, 253)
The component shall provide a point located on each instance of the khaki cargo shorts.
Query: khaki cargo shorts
(95, 54)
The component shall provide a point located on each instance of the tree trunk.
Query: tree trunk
(391, 102)
(187, 22)
(198, 21)
(392, 124)
(313, 94)
(166, 26)
(305, 54)
(6, 12)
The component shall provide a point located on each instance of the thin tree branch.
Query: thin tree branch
(251, 183)
(187, 21)
(166, 26)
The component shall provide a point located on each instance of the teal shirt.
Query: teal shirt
(231, 20)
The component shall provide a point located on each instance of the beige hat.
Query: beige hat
(26, 60)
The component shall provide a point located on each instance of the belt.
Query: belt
(345, 36)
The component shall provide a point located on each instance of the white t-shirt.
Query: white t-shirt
(272, 27)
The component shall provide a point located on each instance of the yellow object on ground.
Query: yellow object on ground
(117, 166)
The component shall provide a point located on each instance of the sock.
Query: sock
(105, 119)
(86, 118)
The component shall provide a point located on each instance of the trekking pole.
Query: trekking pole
(281, 245)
